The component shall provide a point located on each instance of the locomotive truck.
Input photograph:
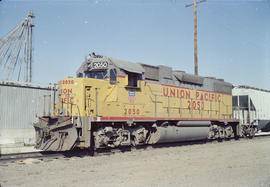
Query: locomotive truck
(114, 103)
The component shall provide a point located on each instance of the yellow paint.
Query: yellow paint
(77, 97)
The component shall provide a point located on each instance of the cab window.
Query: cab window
(133, 79)
(97, 74)
(113, 76)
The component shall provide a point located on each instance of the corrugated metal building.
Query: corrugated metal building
(21, 103)
(255, 101)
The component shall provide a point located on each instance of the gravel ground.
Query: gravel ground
(230, 163)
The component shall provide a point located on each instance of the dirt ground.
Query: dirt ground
(230, 163)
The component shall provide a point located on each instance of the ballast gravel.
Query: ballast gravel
(229, 163)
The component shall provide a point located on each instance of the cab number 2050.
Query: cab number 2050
(131, 111)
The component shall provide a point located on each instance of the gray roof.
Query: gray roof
(185, 77)
(127, 66)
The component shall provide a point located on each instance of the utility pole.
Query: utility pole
(194, 4)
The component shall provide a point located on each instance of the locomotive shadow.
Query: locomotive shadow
(178, 144)
(109, 151)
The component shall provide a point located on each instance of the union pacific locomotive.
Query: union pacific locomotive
(115, 103)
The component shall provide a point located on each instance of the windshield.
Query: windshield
(97, 74)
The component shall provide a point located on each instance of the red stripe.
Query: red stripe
(157, 119)
(121, 77)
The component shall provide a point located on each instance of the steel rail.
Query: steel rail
(44, 155)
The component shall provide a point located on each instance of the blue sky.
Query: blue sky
(233, 35)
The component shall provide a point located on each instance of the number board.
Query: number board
(99, 65)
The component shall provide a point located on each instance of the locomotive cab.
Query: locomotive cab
(90, 96)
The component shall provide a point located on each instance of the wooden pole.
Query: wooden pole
(194, 4)
(195, 39)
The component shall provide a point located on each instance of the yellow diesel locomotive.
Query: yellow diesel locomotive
(116, 103)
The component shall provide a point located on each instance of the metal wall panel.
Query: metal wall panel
(20, 105)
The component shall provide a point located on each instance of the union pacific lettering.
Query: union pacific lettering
(66, 91)
(208, 96)
(176, 92)
(66, 95)
(66, 100)
(185, 93)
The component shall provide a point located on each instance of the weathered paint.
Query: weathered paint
(151, 101)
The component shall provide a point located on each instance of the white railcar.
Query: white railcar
(252, 106)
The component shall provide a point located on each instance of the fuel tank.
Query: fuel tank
(184, 131)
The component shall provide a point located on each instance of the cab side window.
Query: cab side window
(133, 79)
(113, 76)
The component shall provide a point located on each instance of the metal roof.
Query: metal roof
(127, 66)
(253, 88)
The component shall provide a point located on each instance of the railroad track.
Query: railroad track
(43, 155)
